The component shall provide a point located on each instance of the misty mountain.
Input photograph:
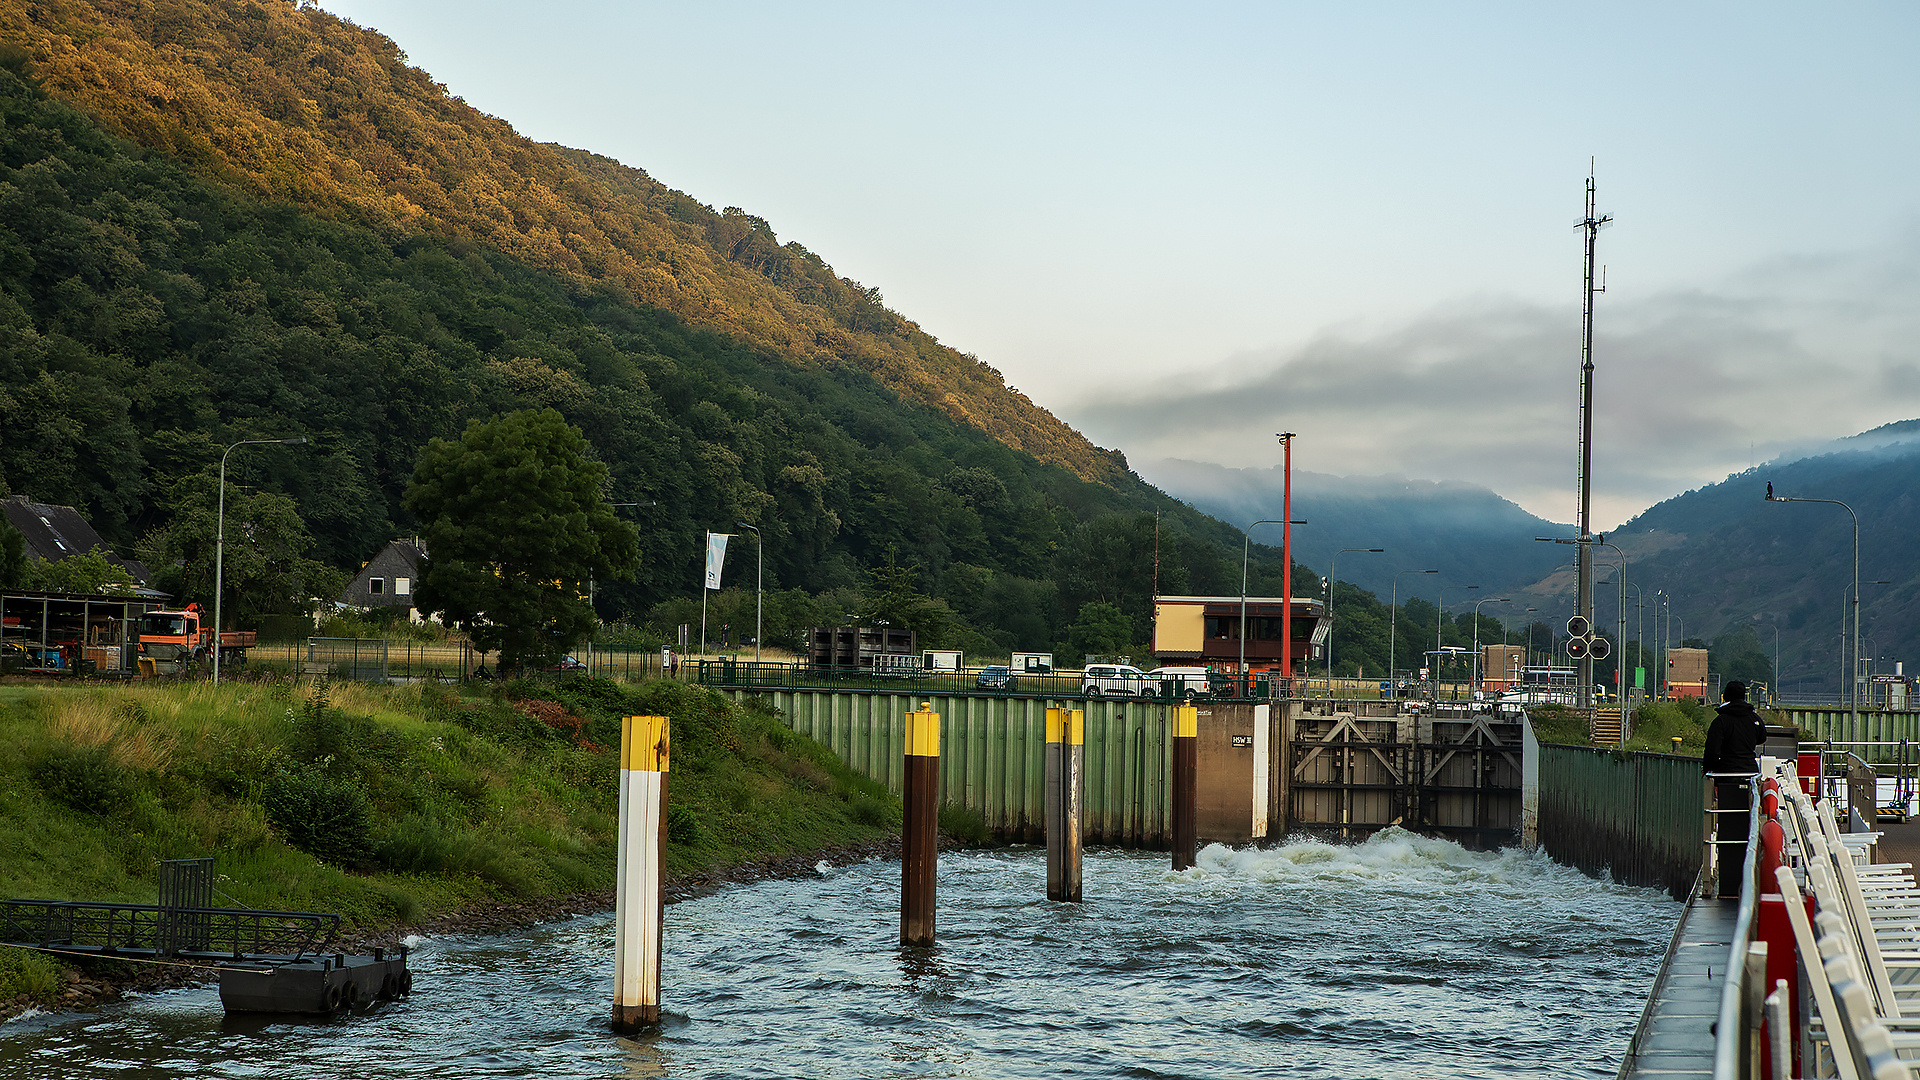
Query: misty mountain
(1467, 532)
(1727, 558)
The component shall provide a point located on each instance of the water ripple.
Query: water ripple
(1398, 958)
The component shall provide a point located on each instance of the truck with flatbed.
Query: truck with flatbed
(171, 639)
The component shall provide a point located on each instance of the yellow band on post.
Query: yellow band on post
(1056, 721)
(923, 734)
(643, 743)
(1186, 721)
(1076, 728)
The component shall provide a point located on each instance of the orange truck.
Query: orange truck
(173, 638)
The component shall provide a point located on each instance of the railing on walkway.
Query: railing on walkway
(149, 929)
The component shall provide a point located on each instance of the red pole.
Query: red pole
(1286, 562)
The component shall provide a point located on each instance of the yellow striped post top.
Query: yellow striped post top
(1186, 721)
(643, 743)
(1068, 726)
(923, 732)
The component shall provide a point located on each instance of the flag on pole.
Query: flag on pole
(716, 557)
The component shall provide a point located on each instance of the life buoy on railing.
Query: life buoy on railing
(1770, 804)
(1773, 851)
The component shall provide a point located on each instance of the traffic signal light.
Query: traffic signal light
(1577, 648)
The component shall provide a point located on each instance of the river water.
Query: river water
(1403, 957)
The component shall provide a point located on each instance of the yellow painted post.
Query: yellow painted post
(1066, 748)
(1186, 726)
(639, 899)
(919, 850)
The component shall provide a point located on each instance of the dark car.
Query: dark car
(997, 677)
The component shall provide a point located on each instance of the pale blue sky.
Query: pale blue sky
(1354, 221)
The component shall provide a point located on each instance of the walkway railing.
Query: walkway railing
(149, 929)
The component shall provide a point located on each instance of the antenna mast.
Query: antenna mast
(1591, 225)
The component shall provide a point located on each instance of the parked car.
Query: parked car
(567, 663)
(1187, 682)
(1121, 680)
(996, 677)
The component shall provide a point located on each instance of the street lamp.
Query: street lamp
(1246, 549)
(759, 571)
(1476, 634)
(1853, 705)
(1329, 612)
(1439, 619)
(220, 539)
(1392, 617)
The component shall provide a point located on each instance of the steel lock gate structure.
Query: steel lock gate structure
(1457, 777)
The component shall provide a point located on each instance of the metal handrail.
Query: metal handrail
(87, 926)
(1729, 1032)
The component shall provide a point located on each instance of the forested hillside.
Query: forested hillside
(149, 318)
(1728, 562)
(291, 104)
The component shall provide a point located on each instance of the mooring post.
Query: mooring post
(1186, 726)
(639, 896)
(919, 855)
(1066, 754)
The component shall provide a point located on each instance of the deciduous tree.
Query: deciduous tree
(516, 524)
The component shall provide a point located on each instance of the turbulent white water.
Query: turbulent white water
(1401, 957)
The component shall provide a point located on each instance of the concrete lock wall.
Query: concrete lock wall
(1263, 769)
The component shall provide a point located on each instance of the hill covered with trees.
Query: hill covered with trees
(289, 104)
(151, 315)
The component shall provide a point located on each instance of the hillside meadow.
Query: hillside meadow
(387, 804)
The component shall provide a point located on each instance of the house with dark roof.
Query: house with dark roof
(59, 532)
(388, 579)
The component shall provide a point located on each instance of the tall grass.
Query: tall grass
(387, 803)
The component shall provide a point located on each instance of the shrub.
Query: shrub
(85, 778)
(327, 818)
(965, 826)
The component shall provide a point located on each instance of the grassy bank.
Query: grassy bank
(387, 804)
(1655, 725)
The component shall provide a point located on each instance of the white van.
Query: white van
(1120, 680)
(1190, 682)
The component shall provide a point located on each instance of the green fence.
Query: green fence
(1639, 816)
(1876, 735)
(993, 754)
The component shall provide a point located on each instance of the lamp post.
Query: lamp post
(1476, 634)
(220, 539)
(759, 572)
(1853, 705)
(1439, 619)
(1530, 623)
(1393, 610)
(1246, 549)
(1331, 563)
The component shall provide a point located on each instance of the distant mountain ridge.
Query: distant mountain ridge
(1467, 532)
(288, 102)
(1719, 559)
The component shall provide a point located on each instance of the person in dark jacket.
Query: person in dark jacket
(1731, 761)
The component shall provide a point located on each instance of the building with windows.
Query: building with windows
(1205, 631)
(388, 579)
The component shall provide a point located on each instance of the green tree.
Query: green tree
(93, 572)
(265, 569)
(13, 556)
(515, 523)
(1100, 630)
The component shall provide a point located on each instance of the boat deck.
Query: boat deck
(1676, 1035)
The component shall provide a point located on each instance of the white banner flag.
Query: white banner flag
(716, 557)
